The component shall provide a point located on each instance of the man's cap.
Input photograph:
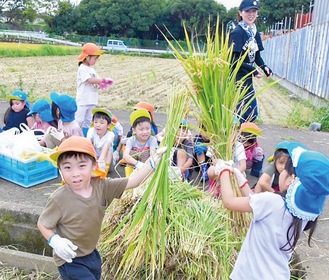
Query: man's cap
(89, 49)
(139, 113)
(43, 108)
(246, 5)
(104, 111)
(306, 196)
(250, 127)
(66, 104)
(147, 106)
(75, 144)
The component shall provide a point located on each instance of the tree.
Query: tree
(195, 14)
(272, 12)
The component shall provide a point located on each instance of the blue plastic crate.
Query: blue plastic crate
(26, 173)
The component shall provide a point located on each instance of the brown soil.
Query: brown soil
(135, 79)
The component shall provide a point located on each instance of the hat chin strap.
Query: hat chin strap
(63, 181)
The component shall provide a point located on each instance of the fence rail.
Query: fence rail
(29, 36)
(301, 58)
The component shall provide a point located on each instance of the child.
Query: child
(201, 160)
(269, 181)
(102, 138)
(117, 129)
(63, 108)
(41, 112)
(88, 83)
(278, 220)
(72, 218)
(255, 156)
(150, 108)
(18, 111)
(183, 151)
(142, 144)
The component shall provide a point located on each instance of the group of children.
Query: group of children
(285, 201)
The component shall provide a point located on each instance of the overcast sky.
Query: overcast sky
(230, 3)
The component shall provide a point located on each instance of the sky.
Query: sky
(230, 3)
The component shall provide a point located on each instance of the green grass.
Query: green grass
(28, 50)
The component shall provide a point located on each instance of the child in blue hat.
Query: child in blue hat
(43, 119)
(269, 180)
(18, 111)
(278, 219)
(63, 109)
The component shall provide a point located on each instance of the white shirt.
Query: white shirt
(99, 142)
(87, 93)
(238, 154)
(260, 256)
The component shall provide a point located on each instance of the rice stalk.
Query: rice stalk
(145, 225)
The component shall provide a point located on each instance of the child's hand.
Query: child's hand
(59, 135)
(116, 156)
(105, 83)
(154, 161)
(241, 179)
(222, 166)
(63, 247)
(200, 148)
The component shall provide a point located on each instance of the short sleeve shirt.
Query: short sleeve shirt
(79, 219)
(98, 142)
(87, 93)
(238, 154)
(266, 235)
(140, 151)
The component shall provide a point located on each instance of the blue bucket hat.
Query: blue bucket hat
(43, 108)
(19, 95)
(306, 196)
(66, 104)
(246, 5)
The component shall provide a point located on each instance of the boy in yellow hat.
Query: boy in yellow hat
(72, 218)
(141, 145)
(88, 83)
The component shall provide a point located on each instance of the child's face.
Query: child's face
(37, 118)
(280, 163)
(142, 131)
(17, 105)
(101, 126)
(285, 180)
(181, 134)
(76, 171)
(91, 60)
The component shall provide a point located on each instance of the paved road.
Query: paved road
(315, 259)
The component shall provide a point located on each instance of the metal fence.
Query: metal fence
(301, 57)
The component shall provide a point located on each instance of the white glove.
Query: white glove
(222, 165)
(63, 247)
(174, 173)
(157, 156)
(240, 177)
(139, 165)
(101, 165)
(59, 135)
(116, 155)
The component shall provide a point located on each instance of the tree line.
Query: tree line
(135, 18)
